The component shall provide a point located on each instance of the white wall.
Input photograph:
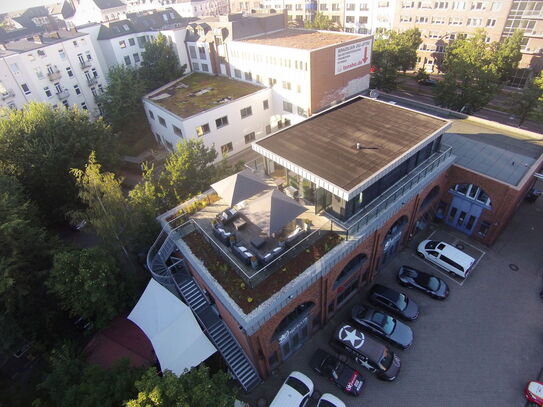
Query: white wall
(233, 133)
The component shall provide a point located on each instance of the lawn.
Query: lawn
(136, 137)
(249, 298)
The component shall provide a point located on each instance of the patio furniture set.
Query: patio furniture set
(250, 253)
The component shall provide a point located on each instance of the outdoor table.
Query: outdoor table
(258, 242)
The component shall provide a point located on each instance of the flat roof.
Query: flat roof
(198, 92)
(325, 144)
(301, 39)
(496, 156)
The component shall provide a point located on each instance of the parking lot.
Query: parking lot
(479, 347)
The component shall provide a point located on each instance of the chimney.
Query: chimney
(37, 38)
(358, 146)
(3, 47)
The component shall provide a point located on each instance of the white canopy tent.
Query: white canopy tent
(170, 325)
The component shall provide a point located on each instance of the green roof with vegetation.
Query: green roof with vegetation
(200, 92)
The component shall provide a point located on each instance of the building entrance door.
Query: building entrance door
(463, 214)
(293, 338)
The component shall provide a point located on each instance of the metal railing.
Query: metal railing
(85, 63)
(393, 195)
(9, 93)
(55, 75)
(64, 94)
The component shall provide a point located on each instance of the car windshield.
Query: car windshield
(325, 403)
(430, 282)
(297, 385)
(386, 360)
(384, 321)
(401, 302)
(431, 245)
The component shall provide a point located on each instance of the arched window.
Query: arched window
(429, 197)
(350, 268)
(300, 310)
(473, 192)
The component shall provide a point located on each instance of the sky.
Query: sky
(12, 5)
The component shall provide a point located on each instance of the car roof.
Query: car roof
(369, 346)
(287, 395)
(383, 290)
(332, 399)
(455, 254)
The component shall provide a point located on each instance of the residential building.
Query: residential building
(96, 11)
(226, 114)
(122, 42)
(59, 68)
(369, 175)
(369, 17)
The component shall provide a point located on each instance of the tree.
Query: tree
(72, 382)
(507, 55)
(122, 100)
(25, 254)
(39, 145)
(529, 99)
(471, 76)
(421, 75)
(88, 284)
(194, 388)
(384, 63)
(321, 22)
(407, 43)
(106, 207)
(160, 63)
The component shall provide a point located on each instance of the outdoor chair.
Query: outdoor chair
(222, 234)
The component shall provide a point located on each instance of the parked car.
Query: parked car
(295, 391)
(427, 82)
(534, 392)
(329, 400)
(342, 375)
(447, 257)
(366, 352)
(383, 325)
(394, 301)
(426, 282)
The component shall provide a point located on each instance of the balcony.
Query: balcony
(388, 203)
(7, 94)
(92, 81)
(85, 63)
(65, 94)
(54, 76)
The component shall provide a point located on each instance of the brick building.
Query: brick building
(370, 176)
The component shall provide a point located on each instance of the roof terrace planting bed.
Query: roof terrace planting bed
(249, 298)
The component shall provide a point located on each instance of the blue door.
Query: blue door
(463, 214)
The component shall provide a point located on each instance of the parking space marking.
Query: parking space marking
(461, 283)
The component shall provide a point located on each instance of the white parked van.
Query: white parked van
(295, 392)
(447, 257)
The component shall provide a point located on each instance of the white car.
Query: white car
(329, 400)
(295, 391)
(447, 257)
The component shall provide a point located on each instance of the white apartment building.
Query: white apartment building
(122, 42)
(369, 16)
(60, 68)
(96, 11)
(224, 113)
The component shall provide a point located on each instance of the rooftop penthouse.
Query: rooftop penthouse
(196, 93)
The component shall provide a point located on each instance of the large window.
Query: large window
(246, 112)
(221, 122)
(473, 192)
(351, 268)
(203, 129)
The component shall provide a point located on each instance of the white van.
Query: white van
(295, 392)
(447, 257)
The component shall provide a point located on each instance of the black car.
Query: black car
(430, 284)
(342, 375)
(383, 325)
(394, 301)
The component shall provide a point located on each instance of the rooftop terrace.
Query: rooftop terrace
(301, 39)
(197, 92)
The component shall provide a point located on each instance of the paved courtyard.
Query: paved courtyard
(479, 347)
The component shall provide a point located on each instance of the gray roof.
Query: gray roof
(105, 4)
(135, 23)
(495, 155)
(28, 44)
